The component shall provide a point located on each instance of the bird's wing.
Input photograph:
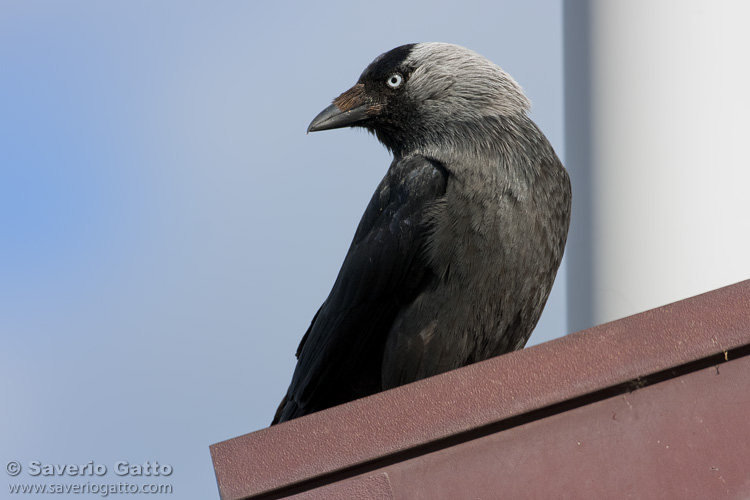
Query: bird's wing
(340, 356)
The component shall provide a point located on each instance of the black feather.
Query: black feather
(340, 356)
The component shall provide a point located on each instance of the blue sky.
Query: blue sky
(167, 228)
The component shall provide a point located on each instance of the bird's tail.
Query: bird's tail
(278, 417)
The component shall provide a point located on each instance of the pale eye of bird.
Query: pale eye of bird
(395, 80)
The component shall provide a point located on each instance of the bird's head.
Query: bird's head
(419, 95)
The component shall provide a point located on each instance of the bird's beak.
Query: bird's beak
(350, 108)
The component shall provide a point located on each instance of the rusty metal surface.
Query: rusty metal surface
(310, 451)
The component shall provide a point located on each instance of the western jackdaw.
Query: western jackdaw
(455, 255)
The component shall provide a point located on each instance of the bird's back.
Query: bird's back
(496, 241)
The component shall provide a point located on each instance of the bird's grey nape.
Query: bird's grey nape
(472, 85)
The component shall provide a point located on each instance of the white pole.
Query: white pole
(658, 144)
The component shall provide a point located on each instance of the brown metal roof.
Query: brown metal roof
(650, 406)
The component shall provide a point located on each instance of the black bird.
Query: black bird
(455, 255)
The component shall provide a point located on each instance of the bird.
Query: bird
(457, 251)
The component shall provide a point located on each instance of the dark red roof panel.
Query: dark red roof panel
(526, 408)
